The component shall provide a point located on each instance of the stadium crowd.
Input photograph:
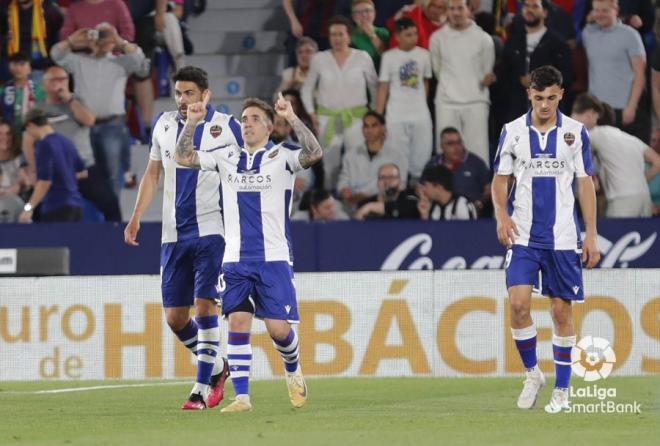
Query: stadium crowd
(92, 67)
(407, 98)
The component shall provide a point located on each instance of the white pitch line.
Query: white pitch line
(84, 389)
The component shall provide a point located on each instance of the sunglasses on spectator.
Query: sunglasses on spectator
(388, 177)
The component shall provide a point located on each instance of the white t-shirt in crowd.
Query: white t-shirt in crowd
(406, 71)
(621, 157)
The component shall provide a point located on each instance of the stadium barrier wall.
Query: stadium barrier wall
(99, 248)
(421, 323)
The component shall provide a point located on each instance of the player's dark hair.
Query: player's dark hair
(448, 130)
(192, 74)
(438, 175)
(262, 105)
(403, 24)
(376, 115)
(544, 77)
(341, 20)
(587, 101)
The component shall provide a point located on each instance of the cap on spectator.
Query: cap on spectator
(19, 57)
(36, 116)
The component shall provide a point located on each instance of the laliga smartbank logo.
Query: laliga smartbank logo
(593, 359)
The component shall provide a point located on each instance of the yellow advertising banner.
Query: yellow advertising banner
(409, 323)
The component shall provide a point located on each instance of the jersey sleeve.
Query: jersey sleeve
(235, 128)
(208, 161)
(154, 150)
(582, 158)
(503, 162)
(292, 156)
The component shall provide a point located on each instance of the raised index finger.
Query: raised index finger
(206, 97)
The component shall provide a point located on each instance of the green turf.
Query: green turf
(339, 411)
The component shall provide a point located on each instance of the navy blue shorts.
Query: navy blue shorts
(553, 273)
(190, 269)
(265, 289)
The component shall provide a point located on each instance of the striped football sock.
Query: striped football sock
(561, 349)
(239, 355)
(188, 337)
(208, 345)
(525, 339)
(288, 348)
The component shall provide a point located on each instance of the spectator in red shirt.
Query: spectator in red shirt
(89, 13)
(428, 15)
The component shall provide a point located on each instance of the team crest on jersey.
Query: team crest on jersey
(167, 127)
(215, 131)
(274, 153)
(569, 138)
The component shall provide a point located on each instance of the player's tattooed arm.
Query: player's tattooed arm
(311, 152)
(185, 154)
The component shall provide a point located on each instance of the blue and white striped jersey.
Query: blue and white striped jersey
(256, 197)
(545, 167)
(191, 198)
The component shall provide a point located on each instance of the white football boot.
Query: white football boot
(534, 382)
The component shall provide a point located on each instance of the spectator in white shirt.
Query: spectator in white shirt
(621, 157)
(341, 77)
(463, 57)
(402, 91)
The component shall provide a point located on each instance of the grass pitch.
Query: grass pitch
(340, 411)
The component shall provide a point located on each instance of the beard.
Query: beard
(536, 21)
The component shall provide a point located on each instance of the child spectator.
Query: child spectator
(402, 94)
